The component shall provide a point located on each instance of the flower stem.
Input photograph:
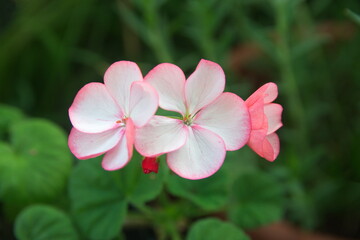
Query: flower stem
(161, 219)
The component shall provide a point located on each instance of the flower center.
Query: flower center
(188, 119)
(122, 121)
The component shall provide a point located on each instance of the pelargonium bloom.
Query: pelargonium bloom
(211, 122)
(105, 116)
(265, 120)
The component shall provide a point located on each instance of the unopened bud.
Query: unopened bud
(150, 164)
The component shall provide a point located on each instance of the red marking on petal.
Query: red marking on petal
(150, 164)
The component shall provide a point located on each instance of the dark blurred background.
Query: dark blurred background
(311, 49)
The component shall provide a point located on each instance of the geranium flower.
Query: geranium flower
(211, 122)
(104, 116)
(265, 120)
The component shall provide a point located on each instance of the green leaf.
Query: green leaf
(35, 166)
(98, 206)
(214, 229)
(210, 193)
(41, 222)
(137, 186)
(8, 115)
(355, 17)
(258, 200)
(99, 198)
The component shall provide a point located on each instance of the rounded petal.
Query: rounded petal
(256, 141)
(143, 103)
(160, 135)
(271, 147)
(273, 114)
(94, 110)
(169, 81)
(201, 156)
(118, 79)
(203, 86)
(268, 92)
(257, 115)
(89, 145)
(266, 146)
(117, 157)
(228, 117)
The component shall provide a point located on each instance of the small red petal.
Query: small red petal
(150, 164)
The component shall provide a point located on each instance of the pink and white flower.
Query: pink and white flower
(105, 116)
(211, 122)
(265, 120)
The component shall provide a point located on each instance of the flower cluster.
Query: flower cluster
(113, 117)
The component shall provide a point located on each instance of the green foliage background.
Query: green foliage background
(50, 49)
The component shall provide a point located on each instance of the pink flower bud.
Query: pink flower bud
(150, 164)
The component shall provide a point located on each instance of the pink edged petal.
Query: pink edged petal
(228, 117)
(130, 136)
(268, 92)
(257, 115)
(89, 145)
(266, 146)
(143, 103)
(117, 157)
(118, 79)
(94, 110)
(271, 147)
(160, 135)
(204, 85)
(256, 141)
(273, 114)
(201, 156)
(169, 81)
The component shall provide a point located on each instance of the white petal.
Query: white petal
(169, 81)
(203, 86)
(89, 145)
(118, 79)
(117, 157)
(143, 103)
(273, 114)
(160, 135)
(200, 157)
(228, 117)
(94, 110)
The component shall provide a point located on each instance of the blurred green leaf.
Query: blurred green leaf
(238, 163)
(214, 229)
(258, 200)
(98, 205)
(41, 222)
(149, 26)
(100, 198)
(8, 115)
(307, 46)
(355, 17)
(210, 193)
(34, 168)
(137, 186)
